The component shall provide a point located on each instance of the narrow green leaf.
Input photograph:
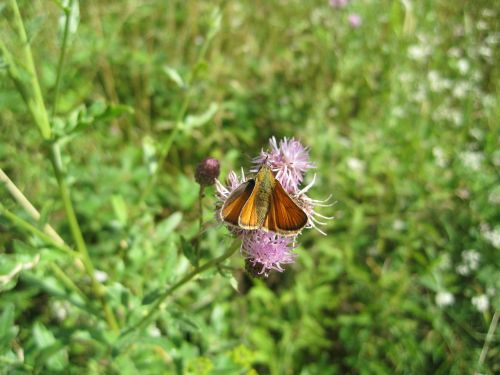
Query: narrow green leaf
(174, 76)
(195, 121)
(120, 208)
(189, 252)
(165, 227)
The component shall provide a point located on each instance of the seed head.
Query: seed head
(207, 172)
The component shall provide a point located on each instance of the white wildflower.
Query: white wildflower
(463, 66)
(100, 276)
(494, 197)
(444, 298)
(398, 225)
(471, 259)
(419, 52)
(481, 303)
(440, 157)
(154, 331)
(485, 51)
(492, 236)
(472, 159)
(356, 165)
(460, 90)
(463, 270)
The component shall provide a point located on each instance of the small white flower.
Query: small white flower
(463, 270)
(494, 197)
(485, 51)
(154, 331)
(440, 157)
(463, 66)
(471, 259)
(356, 165)
(472, 159)
(398, 225)
(100, 276)
(419, 52)
(481, 303)
(60, 310)
(454, 52)
(492, 236)
(482, 25)
(444, 298)
(460, 90)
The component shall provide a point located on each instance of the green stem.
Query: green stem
(24, 225)
(489, 337)
(157, 305)
(35, 104)
(20, 198)
(98, 288)
(61, 275)
(62, 54)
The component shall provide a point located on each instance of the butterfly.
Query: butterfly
(262, 203)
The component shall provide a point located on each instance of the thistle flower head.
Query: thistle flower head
(354, 20)
(338, 3)
(207, 172)
(289, 159)
(265, 251)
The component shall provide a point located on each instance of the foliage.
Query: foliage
(401, 117)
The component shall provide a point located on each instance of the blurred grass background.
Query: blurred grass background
(401, 116)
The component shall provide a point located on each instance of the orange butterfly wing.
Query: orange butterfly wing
(284, 216)
(249, 216)
(231, 209)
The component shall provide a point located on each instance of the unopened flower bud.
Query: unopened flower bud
(207, 171)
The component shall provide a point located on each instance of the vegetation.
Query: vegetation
(106, 109)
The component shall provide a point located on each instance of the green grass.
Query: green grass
(401, 117)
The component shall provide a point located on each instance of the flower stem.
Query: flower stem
(98, 288)
(28, 207)
(24, 225)
(489, 337)
(157, 305)
(62, 54)
(35, 103)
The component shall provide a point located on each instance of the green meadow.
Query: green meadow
(112, 259)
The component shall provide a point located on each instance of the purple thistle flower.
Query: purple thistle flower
(289, 159)
(354, 20)
(265, 251)
(338, 3)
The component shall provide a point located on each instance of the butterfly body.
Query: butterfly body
(262, 203)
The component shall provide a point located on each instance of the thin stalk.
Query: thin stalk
(157, 305)
(28, 207)
(98, 288)
(201, 194)
(489, 337)
(36, 104)
(61, 275)
(62, 54)
(26, 226)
